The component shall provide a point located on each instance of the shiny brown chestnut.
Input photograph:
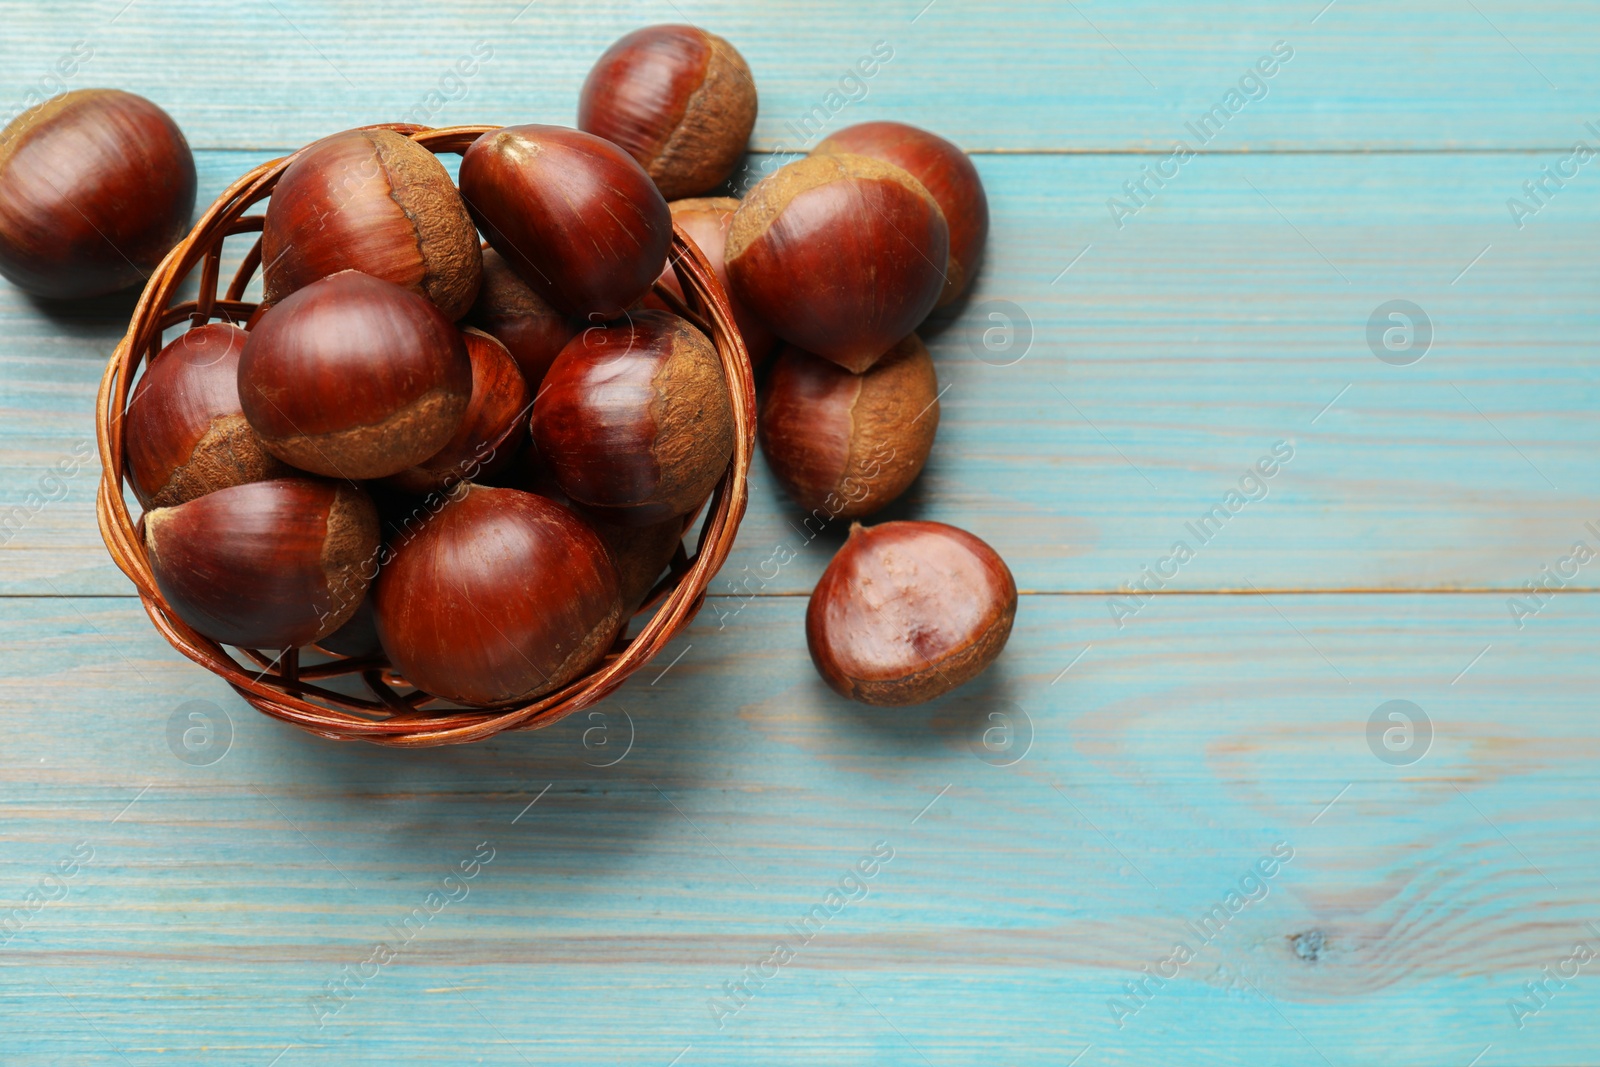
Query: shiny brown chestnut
(96, 186)
(573, 214)
(184, 431)
(948, 175)
(842, 444)
(519, 318)
(640, 553)
(706, 221)
(635, 420)
(680, 100)
(354, 377)
(908, 611)
(502, 596)
(376, 202)
(492, 430)
(842, 255)
(274, 564)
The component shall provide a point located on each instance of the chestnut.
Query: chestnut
(573, 214)
(377, 202)
(680, 100)
(502, 596)
(706, 221)
(354, 377)
(184, 431)
(96, 186)
(948, 175)
(274, 564)
(908, 611)
(842, 255)
(640, 553)
(635, 420)
(842, 444)
(493, 429)
(519, 318)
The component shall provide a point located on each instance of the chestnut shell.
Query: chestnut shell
(502, 596)
(680, 100)
(184, 430)
(945, 171)
(492, 430)
(354, 377)
(96, 186)
(376, 202)
(842, 255)
(274, 564)
(634, 419)
(573, 214)
(845, 445)
(908, 611)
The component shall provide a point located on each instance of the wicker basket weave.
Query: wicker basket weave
(394, 714)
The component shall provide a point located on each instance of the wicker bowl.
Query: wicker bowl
(389, 711)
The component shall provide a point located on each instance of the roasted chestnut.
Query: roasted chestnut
(502, 596)
(521, 319)
(635, 420)
(96, 186)
(274, 564)
(948, 175)
(354, 377)
(573, 214)
(706, 221)
(840, 254)
(184, 431)
(493, 429)
(679, 99)
(844, 445)
(376, 202)
(908, 611)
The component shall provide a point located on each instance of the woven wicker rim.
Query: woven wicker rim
(281, 686)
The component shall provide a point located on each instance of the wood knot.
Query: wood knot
(1308, 945)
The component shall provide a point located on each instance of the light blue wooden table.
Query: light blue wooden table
(611, 890)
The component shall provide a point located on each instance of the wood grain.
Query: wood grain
(1176, 738)
(1016, 75)
(1163, 765)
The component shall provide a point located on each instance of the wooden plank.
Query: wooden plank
(1163, 765)
(1227, 316)
(1013, 75)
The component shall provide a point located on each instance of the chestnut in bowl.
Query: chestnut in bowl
(948, 175)
(492, 430)
(680, 100)
(842, 255)
(908, 611)
(274, 564)
(521, 319)
(706, 221)
(845, 445)
(376, 202)
(573, 214)
(96, 186)
(184, 431)
(634, 419)
(354, 377)
(501, 596)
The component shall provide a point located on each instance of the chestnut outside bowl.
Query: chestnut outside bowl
(395, 713)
